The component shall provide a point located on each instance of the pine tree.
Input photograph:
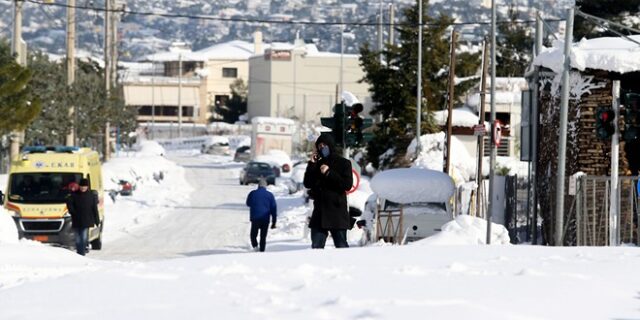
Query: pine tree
(18, 106)
(49, 84)
(615, 10)
(88, 95)
(237, 104)
(514, 45)
(393, 84)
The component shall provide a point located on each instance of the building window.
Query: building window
(144, 111)
(229, 72)
(187, 111)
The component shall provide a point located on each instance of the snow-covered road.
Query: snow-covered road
(214, 221)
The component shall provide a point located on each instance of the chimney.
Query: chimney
(257, 42)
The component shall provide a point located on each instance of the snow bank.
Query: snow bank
(409, 185)
(159, 185)
(8, 231)
(607, 53)
(148, 148)
(358, 198)
(467, 230)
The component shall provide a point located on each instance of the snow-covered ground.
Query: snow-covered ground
(448, 276)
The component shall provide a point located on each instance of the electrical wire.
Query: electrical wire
(285, 22)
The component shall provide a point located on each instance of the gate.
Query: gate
(592, 210)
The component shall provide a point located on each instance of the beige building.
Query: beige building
(297, 81)
(159, 87)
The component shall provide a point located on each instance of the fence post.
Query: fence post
(579, 235)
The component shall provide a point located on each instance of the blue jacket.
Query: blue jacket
(262, 204)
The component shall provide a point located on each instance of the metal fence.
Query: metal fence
(593, 217)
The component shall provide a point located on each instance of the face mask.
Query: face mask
(325, 151)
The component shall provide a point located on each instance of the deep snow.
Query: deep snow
(448, 276)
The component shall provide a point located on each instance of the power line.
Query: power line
(267, 21)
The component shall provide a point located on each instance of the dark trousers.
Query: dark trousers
(81, 240)
(263, 227)
(319, 238)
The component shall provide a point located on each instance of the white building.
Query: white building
(157, 87)
(299, 82)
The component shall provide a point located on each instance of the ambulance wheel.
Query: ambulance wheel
(97, 243)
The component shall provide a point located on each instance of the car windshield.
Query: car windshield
(259, 167)
(41, 187)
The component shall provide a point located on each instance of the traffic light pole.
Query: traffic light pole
(614, 213)
(492, 144)
(562, 145)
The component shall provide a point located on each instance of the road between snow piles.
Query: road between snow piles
(214, 220)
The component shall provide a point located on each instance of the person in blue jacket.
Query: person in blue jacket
(262, 205)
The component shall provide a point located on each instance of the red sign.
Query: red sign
(356, 181)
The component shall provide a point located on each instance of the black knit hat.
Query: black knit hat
(84, 182)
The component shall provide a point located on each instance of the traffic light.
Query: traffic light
(336, 123)
(631, 102)
(355, 124)
(604, 122)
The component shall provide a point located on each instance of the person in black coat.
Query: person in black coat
(83, 208)
(328, 177)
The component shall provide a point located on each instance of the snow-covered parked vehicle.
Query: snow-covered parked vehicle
(422, 196)
(279, 160)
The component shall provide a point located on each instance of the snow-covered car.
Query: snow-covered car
(422, 194)
(218, 148)
(253, 171)
(216, 145)
(279, 160)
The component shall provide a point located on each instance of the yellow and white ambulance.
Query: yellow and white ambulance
(40, 181)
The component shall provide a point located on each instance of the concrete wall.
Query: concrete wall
(219, 85)
(259, 99)
(315, 78)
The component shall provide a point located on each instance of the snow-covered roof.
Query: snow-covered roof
(411, 185)
(460, 117)
(239, 50)
(607, 53)
(175, 56)
(236, 50)
(232, 50)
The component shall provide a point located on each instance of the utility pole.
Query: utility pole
(71, 64)
(562, 144)
(483, 98)
(452, 76)
(180, 95)
(107, 72)
(614, 198)
(153, 100)
(419, 86)
(380, 32)
(492, 158)
(534, 131)
(392, 18)
(19, 49)
(341, 61)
